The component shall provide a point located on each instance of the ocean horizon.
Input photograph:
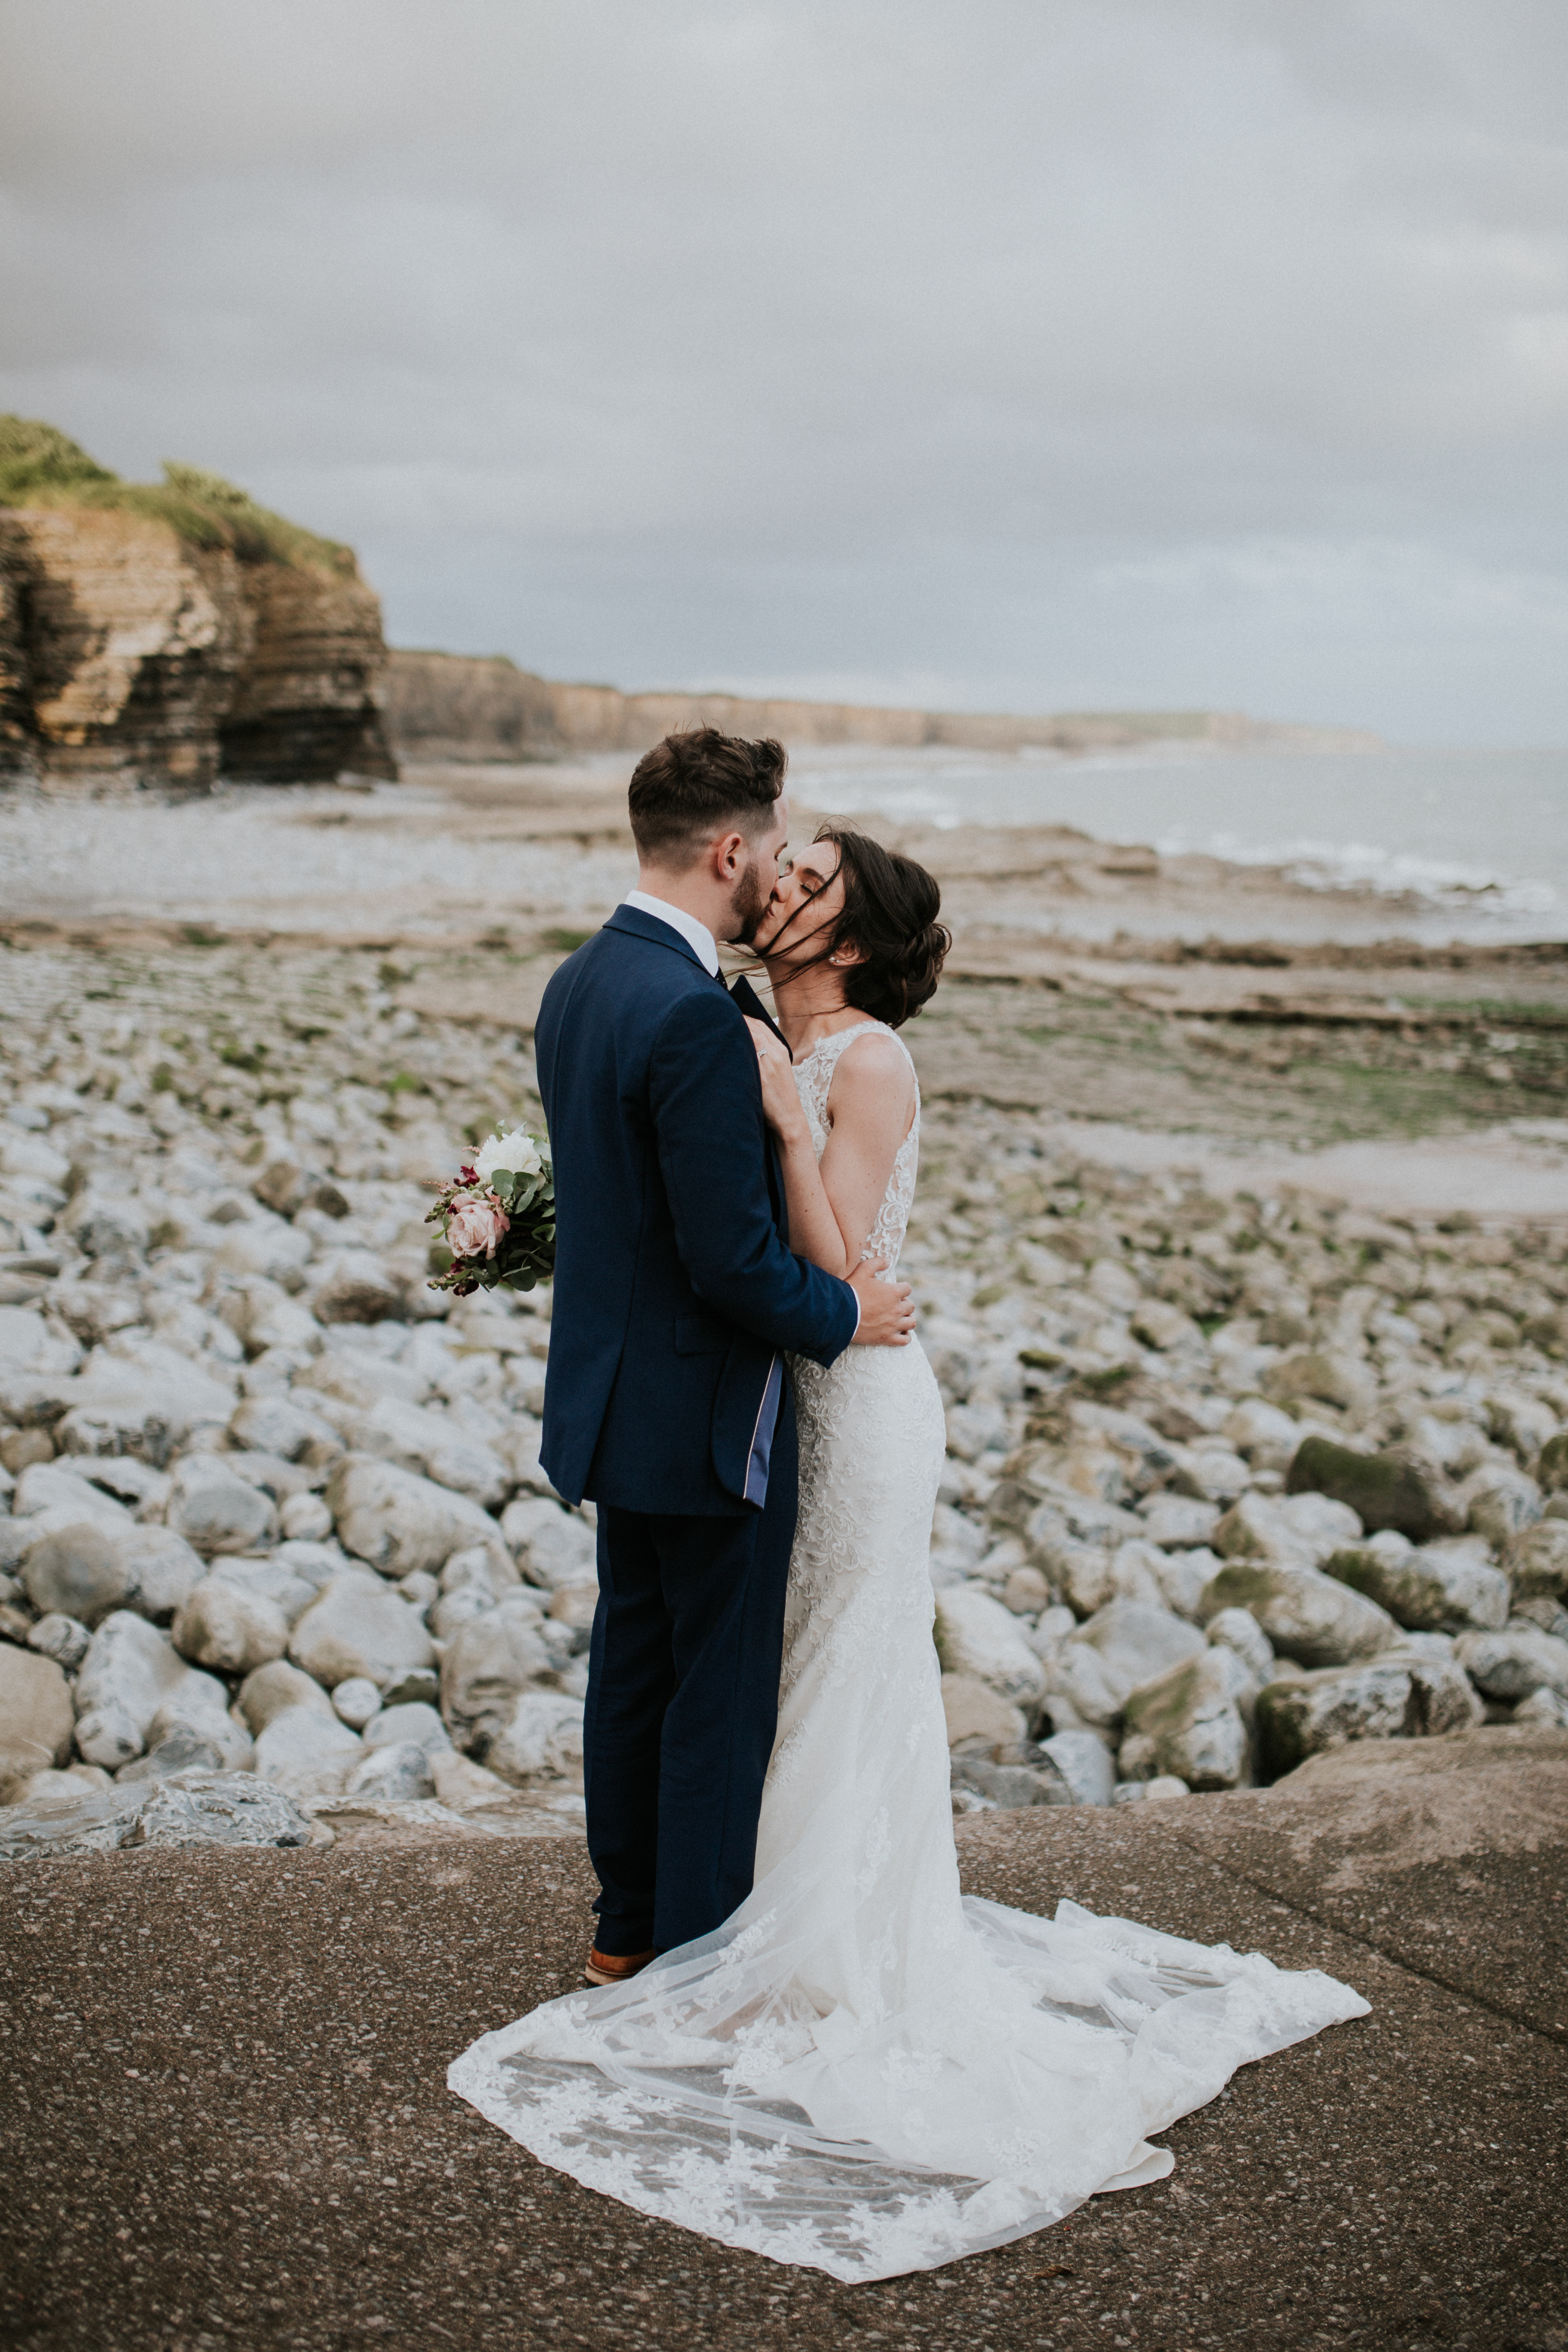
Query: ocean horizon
(1473, 846)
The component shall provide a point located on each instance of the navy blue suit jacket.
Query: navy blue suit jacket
(674, 1287)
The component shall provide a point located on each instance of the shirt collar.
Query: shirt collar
(698, 936)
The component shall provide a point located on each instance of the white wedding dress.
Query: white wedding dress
(862, 2070)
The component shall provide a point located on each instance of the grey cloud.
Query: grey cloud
(1133, 351)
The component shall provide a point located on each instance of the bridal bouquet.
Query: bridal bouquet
(496, 1217)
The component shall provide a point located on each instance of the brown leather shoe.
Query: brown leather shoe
(614, 1968)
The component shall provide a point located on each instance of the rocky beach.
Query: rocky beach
(1238, 1251)
(1237, 1472)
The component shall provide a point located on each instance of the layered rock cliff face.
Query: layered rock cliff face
(167, 635)
(460, 707)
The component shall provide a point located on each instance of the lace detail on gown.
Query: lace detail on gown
(862, 2070)
(814, 1079)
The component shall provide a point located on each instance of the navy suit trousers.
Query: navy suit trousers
(682, 1708)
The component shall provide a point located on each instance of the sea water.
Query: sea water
(1473, 844)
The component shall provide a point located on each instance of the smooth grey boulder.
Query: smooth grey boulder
(356, 1702)
(433, 1445)
(1084, 1763)
(163, 1567)
(30, 1344)
(418, 1725)
(1239, 1631)
(1443, 1587)
(487, 1666)
(86, 1569)
(1178, 1522)
(1062, 1513)
(1514, 1663)
(65, 1639)
(398, 1522)
(272, 1688)
(352, 1286)
(552, 1545)
(1213, 1473)
(453, 1611)
(305, 1519)
(1328, 1373)
(1296, 1533)
(57, 1493)
(279, 1480)
(1132, 1643)
(121, 1406)
(976, 1635)
(975, 1718)
(357, 1627)
(1501, 1501)
(307, 1753)
(217, 1511)
(1187, 1721)
(37, 1719)
(262, 1314)
(1308, 1616)
(1537, 1560)
(1184, 1577)
(1400, 1488)
(273, 1579)
(543, 1739)
(131, 1673)
(399, 1770)
(224, 1626)
(282, 1426)
(356, 1378)
(263, 1245)
(1401, 1695)
(79, 1572)
(1268, 1436)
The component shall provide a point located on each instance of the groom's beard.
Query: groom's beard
(749, 905)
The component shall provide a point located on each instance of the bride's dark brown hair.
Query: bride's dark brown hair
(889, 913)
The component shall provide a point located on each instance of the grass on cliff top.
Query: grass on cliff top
(40, 466)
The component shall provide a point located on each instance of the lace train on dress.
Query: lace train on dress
(863, 2071)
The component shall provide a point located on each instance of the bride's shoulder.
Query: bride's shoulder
(874, 1068)
(875, 1048)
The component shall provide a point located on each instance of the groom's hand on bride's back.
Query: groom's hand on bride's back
(887, 1309)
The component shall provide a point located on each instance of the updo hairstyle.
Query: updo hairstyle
(891, 906)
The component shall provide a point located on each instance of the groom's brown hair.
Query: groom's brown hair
(698, 783)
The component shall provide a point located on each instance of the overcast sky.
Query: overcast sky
(993, 353)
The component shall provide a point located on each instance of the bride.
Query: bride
(862, 2070)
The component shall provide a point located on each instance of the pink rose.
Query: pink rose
(475, 1226)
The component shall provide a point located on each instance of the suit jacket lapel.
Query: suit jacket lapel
(750, 1004)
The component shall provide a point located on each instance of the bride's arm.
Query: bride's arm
(832, 1207)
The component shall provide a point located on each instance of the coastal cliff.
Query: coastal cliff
(170, 633)
(462, 707)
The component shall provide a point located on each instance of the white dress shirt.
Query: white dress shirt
(696, 934)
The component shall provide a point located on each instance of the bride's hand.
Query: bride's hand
(781, 1102)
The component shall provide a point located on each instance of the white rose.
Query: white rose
(517, 1151)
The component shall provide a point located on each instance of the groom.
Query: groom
(666, 1399)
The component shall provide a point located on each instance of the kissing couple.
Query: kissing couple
(797, 2036)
